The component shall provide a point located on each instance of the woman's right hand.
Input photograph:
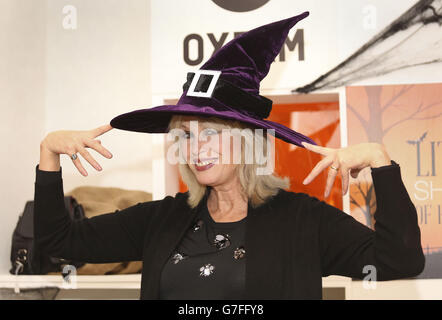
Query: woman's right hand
(70, 142)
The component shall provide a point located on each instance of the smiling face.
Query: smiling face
(222, 153)
(203, 150)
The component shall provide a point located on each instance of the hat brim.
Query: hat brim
(156, 120)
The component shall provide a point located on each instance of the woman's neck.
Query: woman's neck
(227, 203)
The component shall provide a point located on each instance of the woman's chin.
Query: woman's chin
(207, 177)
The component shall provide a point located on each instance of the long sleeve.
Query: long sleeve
(111, 237)
(394, 248)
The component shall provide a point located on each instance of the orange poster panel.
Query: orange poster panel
(407, 119)
(319, 121)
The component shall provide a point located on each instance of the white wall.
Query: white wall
(94, 73)
(70, 79)
(22, 107)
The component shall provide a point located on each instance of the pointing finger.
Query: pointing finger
(101, 129)
(318, 149)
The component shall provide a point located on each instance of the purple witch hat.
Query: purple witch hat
(226, 86)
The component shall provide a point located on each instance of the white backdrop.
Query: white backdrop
(334, 29)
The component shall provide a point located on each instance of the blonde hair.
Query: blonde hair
(256, 188)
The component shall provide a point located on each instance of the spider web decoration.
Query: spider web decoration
(414, 39)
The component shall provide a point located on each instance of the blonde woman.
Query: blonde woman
(238, 233)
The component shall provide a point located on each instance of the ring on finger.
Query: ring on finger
(334, 168)
(74, 156)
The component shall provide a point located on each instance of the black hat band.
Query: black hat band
(232, 96)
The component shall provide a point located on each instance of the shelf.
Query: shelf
(397, 289)
(336, 282)
(123, 281)
(409, 289)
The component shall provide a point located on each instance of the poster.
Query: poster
(407, 119)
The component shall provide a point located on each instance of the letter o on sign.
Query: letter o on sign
(186, 53)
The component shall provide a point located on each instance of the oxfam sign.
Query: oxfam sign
(240, 5)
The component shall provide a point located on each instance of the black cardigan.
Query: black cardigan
(292, 241)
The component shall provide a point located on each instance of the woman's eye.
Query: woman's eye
(187, 135)
(211, 132)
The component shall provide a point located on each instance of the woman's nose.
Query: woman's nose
(198, 148)
(201, 148)
(196, 144)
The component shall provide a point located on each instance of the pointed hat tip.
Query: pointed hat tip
(290, 22)
(301, 16)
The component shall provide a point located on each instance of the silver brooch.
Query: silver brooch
(206, 270)
(221, 241)
(177, 257)
(239, 253)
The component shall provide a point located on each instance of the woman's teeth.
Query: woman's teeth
(205, 163)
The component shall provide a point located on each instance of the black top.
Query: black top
(291, 241)
(209, 262)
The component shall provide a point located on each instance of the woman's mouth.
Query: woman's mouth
(205, 165)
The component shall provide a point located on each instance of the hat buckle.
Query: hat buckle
(208, 94)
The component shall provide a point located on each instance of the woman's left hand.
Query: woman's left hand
(349, 160)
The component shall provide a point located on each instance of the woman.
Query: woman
(237, 233)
